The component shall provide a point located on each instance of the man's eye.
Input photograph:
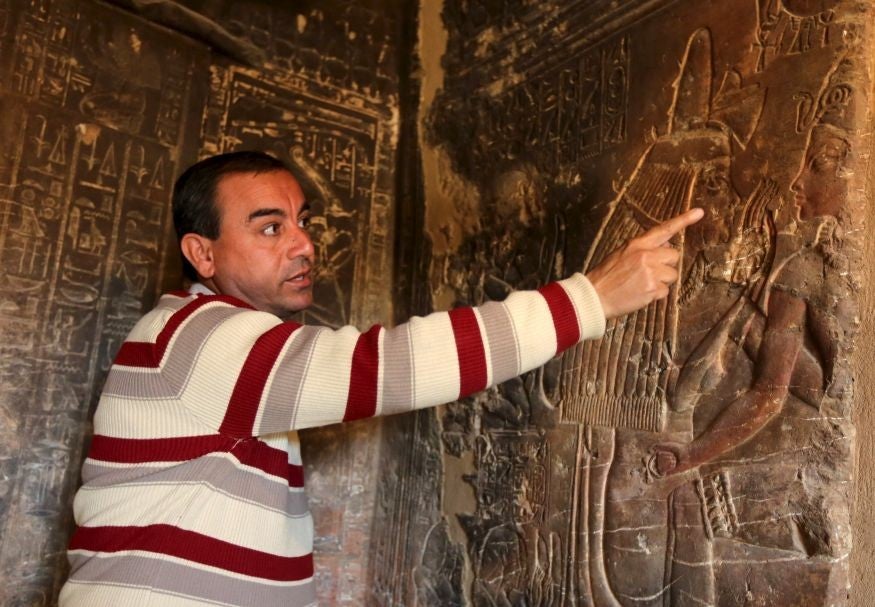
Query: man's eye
(304, 221)
(271, 229)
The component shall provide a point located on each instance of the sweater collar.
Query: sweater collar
(198, 288)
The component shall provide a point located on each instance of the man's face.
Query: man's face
(263, 254)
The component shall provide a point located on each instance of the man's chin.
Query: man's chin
(292, 306)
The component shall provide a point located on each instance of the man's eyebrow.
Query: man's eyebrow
(265, 213)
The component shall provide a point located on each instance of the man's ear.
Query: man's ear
(198, 250)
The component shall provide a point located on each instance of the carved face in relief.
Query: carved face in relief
(823, 182)
(517, 195)
(714, 193)
(706, 151)
(821, 186)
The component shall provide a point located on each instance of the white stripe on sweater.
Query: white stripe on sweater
(100, 595)
(435, 362)
(533, 324)
(145, 419)
(587, 305)
(219, 364)
(326, 387)
(198, 508)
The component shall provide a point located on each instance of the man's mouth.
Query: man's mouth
(300, 279)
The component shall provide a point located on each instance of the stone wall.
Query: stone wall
(662, 465)
(702, 452)
(103, 106)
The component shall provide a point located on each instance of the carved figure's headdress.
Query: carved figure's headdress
(836, 105)
(735, 107)
(622, 379)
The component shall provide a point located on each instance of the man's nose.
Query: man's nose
(300, 244)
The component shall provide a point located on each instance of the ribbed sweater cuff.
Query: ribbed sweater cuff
(588, 305)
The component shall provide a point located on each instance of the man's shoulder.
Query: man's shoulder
(174, 307)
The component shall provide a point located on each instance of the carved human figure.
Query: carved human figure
(791, 340)
(689, 166)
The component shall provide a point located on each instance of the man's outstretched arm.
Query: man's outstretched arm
(244, 373)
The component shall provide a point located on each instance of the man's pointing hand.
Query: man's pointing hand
(641, 271)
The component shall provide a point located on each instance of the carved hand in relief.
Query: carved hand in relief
(640, 272)
(667, 458)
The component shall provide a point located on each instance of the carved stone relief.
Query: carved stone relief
(700, 453)
(748, 371)
(101, 111)
(95, 107)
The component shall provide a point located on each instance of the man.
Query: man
(193, 487)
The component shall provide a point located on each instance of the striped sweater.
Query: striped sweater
(193, 488)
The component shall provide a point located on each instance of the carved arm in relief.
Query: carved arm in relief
(742, 326)
(782, 364)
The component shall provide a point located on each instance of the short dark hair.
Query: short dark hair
(194, 193)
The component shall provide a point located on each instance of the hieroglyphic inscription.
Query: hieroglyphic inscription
(569, 113)
(500, 38)
(512, 477)
(95, 103)
(574, 112)
(408, 505)
(793, 28)
(512, 489)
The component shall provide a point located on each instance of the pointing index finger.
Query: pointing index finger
(661, 234)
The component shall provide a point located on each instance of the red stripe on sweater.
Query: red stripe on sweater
(243, 406)
(149, 355)
(470, 351)
(195, 547)
(136, 354)
(145, 450)
(564, 316)
(361, 401)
